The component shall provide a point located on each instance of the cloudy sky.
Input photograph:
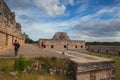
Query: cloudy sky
(89, 20)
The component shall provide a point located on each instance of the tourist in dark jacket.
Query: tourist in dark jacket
(16, 47)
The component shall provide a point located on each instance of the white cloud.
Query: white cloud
(67, 2)
(86, 24)
(71, 2)
(18, 4)
(82, 8)
(92, 28)
(36, 21)
(47, 29)
(118, 15)
(50, 7)
(114, 11)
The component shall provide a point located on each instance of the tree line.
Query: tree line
(29, 40)
(104, 43)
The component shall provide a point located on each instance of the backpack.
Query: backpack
(17, 45)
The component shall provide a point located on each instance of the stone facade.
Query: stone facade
(62, 41)
(114, 50)
(9, 29)
(92, 68)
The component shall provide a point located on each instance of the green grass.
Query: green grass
(7, 66)
(26, 76)
(115, 58)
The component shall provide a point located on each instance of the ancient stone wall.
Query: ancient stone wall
(114, 50)
(2, 40)
(64, 44)
(61, 41)
(9, 29)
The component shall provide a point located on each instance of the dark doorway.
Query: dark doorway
(44, 46)
(91, 49)
(76, 46)
(119, 53)
(98, 50)
(81, 46)
(52, 46)
(106, 51)
(65, 46)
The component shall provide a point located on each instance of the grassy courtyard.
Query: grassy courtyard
(115, 58)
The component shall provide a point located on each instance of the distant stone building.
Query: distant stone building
(9, 29)
(114, 50)
(61, 41)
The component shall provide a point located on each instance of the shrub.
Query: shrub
(20, 64)
(54, 59)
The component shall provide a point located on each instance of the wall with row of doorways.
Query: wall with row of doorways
(7, 40)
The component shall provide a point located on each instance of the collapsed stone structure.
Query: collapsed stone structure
(9, 29)
(114, 50)
(62, 41)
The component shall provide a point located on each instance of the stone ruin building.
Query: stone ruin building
(114, 50)
(62, 41)
(9, 29)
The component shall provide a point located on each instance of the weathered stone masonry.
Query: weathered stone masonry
(9, 29)
(61, 41)
(92, 68)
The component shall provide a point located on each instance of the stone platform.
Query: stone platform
(87, 67)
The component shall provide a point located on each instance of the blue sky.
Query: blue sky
(89, 20)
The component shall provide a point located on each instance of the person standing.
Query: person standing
(42, 44)
(16, 47)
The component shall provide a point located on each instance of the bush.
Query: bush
(54, 59)
(20, 64)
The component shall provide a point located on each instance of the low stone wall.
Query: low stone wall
(114, 50)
